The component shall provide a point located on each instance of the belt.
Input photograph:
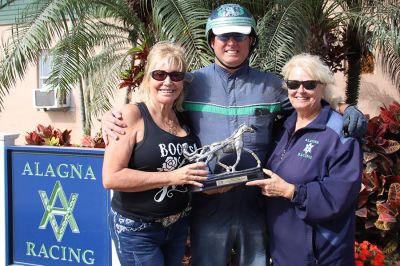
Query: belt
(169, 220)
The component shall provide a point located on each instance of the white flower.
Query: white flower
(171, 163)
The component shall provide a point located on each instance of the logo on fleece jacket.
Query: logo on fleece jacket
(306, 153)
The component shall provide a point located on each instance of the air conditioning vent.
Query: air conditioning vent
(47, 99)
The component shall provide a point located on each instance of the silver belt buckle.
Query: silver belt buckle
(167, 221)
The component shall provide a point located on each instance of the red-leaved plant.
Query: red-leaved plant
(55, 137)
(48, 136)
(133, 76)
(96, 142)
(378, 218)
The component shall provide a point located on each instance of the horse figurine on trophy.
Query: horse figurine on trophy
(232, 144)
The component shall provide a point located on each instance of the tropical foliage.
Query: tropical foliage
(378, 213)
(89, 39)
(48, 136)
(51, 136)
(132, 77)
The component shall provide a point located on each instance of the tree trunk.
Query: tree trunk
(85, 129)
(353, 55)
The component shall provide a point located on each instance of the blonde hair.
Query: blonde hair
(162, 53)
(315, 68)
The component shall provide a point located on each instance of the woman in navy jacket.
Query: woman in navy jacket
(315, 175)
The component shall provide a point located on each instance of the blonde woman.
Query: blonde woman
(150, 205)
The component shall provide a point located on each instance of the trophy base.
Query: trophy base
(228, 179)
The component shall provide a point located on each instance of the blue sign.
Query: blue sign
(57, 207)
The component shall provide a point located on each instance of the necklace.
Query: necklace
(171, 127)
(165, 122)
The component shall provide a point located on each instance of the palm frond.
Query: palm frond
(380, 23)
(117, 15)
(184, 22)
(76, 50)
(103, 85)
(282, 32)
(389, 59)
(40, 24)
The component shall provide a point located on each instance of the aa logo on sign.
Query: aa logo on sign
(66, 211)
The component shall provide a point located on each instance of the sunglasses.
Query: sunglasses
(238, 37)
(161, 75)
(307, 84)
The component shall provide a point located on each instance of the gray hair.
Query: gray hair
(315, 68)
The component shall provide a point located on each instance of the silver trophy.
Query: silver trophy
(216, 150)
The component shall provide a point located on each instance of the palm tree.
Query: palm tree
(91, 38)
(77, 28)
(339, 31)
(380, 23)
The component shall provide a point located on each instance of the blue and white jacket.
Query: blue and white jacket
(216, 104)
(317, 226)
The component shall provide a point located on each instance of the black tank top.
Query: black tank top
(159, 151)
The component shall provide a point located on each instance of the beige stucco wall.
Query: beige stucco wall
(376, 90)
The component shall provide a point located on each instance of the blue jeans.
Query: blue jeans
(141, 244)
